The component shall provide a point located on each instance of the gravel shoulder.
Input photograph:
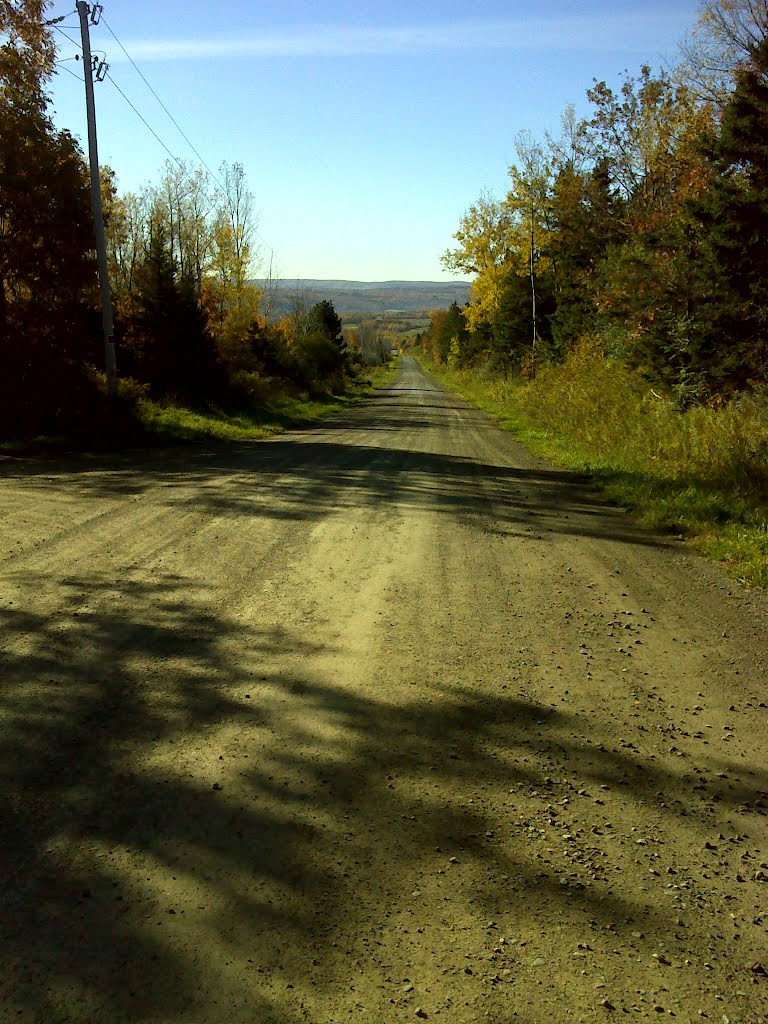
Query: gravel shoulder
(382, 720)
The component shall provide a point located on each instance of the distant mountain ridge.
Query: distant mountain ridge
(369, 296)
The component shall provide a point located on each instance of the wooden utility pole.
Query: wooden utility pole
(84, 10)
(533, 286)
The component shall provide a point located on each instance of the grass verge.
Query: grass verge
(701, 474)
(172, 423)
(144, 422)
(168, 423)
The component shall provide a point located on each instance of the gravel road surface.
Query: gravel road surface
(381, 721)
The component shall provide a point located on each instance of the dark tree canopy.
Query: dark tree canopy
(48, 326)
(733, 213)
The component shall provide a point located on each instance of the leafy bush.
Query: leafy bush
(616, 416)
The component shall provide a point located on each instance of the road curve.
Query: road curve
(385, 720)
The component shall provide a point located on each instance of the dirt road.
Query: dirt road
(382, 721)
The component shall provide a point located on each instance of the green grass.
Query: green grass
(173, 423)
(168, 422)
(142, 422)
(701, 474)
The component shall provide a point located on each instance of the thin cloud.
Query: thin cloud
(612, 32)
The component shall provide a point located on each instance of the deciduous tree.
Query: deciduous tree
(47, 271)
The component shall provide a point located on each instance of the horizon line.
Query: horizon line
(356, 280)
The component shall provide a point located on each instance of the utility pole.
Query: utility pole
(533, 291)
(84, 10)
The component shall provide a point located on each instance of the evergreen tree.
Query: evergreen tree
(733, 212)
(321, 351)
(324, 320)
(168, 342)
(510, 343)
(585, 211)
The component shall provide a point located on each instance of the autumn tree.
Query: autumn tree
(721, 43)
(184, 201)
(504, 242)
(48, 330)
(449, 336)
(127, 236)
(485, 239)
(584, 221)
(529, 201)
(647, 138)
(270, 350)
(232, 300)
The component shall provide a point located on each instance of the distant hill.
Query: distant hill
(371, 296)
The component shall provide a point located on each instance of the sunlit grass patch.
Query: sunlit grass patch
(178, 423)
(374, 378)
(274, 414)
(744, 549)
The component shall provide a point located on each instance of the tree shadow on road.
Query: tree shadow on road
(310, 477)
(183, 808)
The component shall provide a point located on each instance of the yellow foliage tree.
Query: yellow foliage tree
(486, 240)
(233, 301)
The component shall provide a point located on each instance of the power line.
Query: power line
(176, 160)
(130, 104)
(145, 122)
(167, 111)
(176, 124)
(57, 21)
(74, 42)
(61, 67)
(173, 157)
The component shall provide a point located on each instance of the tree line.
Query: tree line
(639, 231)
(189, 324)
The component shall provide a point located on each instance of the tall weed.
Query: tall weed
(621, 421)
(702, 471)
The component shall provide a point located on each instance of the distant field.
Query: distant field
(364, 297)
(391, 329)
(401, 322)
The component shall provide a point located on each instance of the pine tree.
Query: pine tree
(324, 319)
(733, 213)
(320, 348)
(586, 213)
(168, 342)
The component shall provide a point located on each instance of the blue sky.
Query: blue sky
(365, 130)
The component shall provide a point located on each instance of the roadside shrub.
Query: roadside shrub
(250, 386)
(619, 418)
(700, 471)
